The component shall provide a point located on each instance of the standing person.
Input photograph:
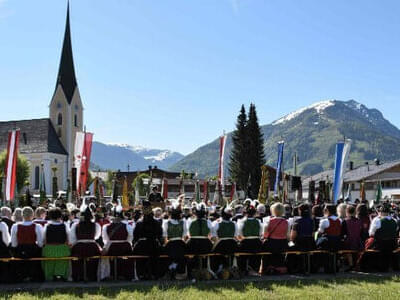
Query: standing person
(275, 235)
(250, 232)
(117, 238)
(155, 195)
(83, 236)
(147, 239)
(56, 244)
(4, 252)
(27, 241)
(6, 215)
(174, 233)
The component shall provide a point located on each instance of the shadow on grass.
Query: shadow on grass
(214, 287)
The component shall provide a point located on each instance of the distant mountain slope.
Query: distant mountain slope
(118, 156)
(313, 132)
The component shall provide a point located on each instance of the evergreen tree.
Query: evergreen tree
(238, 157)
(255, 151)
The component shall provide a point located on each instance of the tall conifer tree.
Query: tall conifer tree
(238, 158)
(255, 153)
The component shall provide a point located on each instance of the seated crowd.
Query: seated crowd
(247, 228)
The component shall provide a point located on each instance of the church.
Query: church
(48, 143)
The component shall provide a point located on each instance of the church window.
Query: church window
(59, 105)
(37, 175)
(76, 107)
(75, 120)
(59, 119)
(59, 132)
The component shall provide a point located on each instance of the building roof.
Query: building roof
(66, 72)
(356, 175)
(37, 136)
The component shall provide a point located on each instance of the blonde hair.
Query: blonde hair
(39, 211)
(27, 213)
(341, 210)
(277, 209)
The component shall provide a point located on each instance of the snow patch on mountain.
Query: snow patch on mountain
(319, 107)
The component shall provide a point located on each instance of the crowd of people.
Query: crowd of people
(174, 230)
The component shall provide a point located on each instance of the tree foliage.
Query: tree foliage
(247, 155)
(143, 189)
(237, 164)
(23, 169)
(255, 153)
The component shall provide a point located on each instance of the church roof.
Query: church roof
(37, 136)
(66, 72)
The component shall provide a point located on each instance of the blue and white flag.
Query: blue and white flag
(342, 153)
(278, 167)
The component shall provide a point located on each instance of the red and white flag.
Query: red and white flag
(222, 143)
(83, 151)
(11, 164)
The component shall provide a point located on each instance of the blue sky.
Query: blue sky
(173, 74)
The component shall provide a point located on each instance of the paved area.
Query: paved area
(127, 284)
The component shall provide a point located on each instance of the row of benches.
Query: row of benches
(308, 255)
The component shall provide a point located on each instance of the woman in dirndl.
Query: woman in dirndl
(56, 242)
(117, 238)
(225, 234)
(174, 232)
(83, 236)
(199, 232)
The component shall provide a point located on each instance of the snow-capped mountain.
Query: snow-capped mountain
(313, 132)
(118, 156)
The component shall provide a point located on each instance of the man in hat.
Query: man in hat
(155, 195)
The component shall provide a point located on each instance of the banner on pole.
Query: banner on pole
(11, 164)
(342, 153)
(82, 151)
(281, 146)
(222, 143)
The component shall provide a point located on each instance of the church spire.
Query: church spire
(66, 72)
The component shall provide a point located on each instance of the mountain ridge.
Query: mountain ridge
(114, 156)
(312, 132)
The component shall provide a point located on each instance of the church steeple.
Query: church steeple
(66, 72)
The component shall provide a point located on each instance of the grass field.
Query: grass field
(372, 288)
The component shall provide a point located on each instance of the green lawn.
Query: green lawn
(361, 288)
